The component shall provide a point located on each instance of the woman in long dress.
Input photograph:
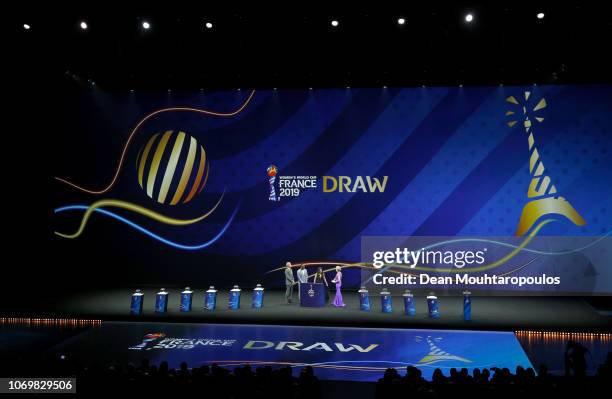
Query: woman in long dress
(338, 302)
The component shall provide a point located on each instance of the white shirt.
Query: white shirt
(302, 275)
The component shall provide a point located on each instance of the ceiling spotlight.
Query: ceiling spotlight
(469, 18)
(540, 15)
(83, 25)
(146, 25)
(208, 25)
(334, 23)
(401, 21)
(26, 26)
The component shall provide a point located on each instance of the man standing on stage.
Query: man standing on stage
(289, 281)
(302, 275)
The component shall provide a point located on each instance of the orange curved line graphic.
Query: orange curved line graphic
(142, 121)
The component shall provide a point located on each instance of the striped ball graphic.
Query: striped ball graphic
(172, 168)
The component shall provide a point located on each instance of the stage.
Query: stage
(488, 313)
(344, 354)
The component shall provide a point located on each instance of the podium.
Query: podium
(312, 295)
(136, 304)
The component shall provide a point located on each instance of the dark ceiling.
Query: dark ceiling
(298, 47)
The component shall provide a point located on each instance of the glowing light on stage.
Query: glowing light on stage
(334, 23)
(540, 15)
(83, 25)
(469, 18)
(401, 21)
(33, 321)
(146, 25)
(564, 335)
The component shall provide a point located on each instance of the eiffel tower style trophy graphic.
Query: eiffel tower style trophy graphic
(542, 194)
(436, 354)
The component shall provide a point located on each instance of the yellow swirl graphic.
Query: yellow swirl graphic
(368, 265)
(493, 265)
(112, 203)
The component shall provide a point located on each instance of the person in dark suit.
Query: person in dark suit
(289, 281)
(320, 278)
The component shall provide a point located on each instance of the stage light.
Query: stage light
(334, 23)
(540, 15)
(401, 21)
(83, 25)
(208, 25)
(146, 25)
(26, 26)
(469, 18)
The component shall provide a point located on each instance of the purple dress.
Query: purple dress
(338, 298)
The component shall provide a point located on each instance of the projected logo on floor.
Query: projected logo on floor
(160, 341)
(360, 354)
(435, 353)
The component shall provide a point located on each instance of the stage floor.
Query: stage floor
(488, 313)
(340, 354)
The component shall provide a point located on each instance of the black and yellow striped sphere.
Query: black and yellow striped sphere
(172, 167)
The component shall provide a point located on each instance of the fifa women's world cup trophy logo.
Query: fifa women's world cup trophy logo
(272, 171)
(544, 200)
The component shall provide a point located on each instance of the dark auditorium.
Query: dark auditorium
(307, 200)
